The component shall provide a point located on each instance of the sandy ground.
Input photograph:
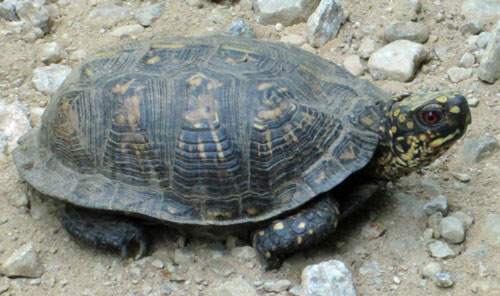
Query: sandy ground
(73, 269)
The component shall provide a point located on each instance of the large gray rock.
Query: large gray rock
(452, 230)
(415, 32)
(34, 13)
(476, 150)
(24, 262)
(48, 79)
(14, 123)
(330, 278)
(108, 16)
(441, 250)
(286, 12)
(398, 60)
(236, 287)
(148, 13)
(353, 65)
(481, 9)
(8, 10)
(325, 22)
(489, 69)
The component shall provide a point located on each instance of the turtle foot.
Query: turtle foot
(102, 229)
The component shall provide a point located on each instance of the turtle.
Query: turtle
(221, 134)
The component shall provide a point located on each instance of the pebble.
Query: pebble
(285, 12)
(148, 13)
(107, 16)
(295, 290)
(433, 223)
(19, 200)
(489, 69)
(328, 278)
(8, 11)
(491, 230)
(367, 46)
(127, 30)
(437, 204)
(465, 178)
(464, 218)
(473, 28)
(442, 52)
(480, 9)
(428, 234)
(444, 280)
(439, 17)
(324, 23)
(158, 263)
(23, 262)
(441, 250)
(482, 40)
(372, 230)
(467, 60)
(239, 28)
(183, 257)
(294, 39)
(236, 287)
(479, 149)
(412, 31)
(14, 123)
(196, 3)
(353, 65)
(78, 55)
(34, 13)
(48, 79)
(457, 74)
(53, 52)
(277, 286)
(245, 252)
(398, 60)
(452, 230)
(473, 102)
(430, 271)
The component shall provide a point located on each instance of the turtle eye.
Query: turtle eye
(431, 117)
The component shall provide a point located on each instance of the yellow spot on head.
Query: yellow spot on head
(396, 113)
(402, 118)
(394, 129)
(410, 124)
(311, 232)
(441, 141)
(302, 225)
(299, 240)
(153, 60)
(455, 110)
(279, 226)
(367, 120)
(261, 233)
(268, 254)
(442, 99)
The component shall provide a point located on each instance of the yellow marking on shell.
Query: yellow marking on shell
(394, 129)
(302, 225)
(396, 113)
(348, 153)
(64, 106)
(264, 85)
(455, 110)
(133, 113)
(237, 49)
(261, 232)
(442, 99)
(274, 113)
(252, 212)
(269, 143)
(282, 89)
(335, 223)
(279, 226)
(88, 72)
(120, 119)
(106, 53)
(122, 88)
(153, 60)
(201, 150)
(299, 240)
(410, 124)
(217, 215)
(268, 254)
(414, 98)
(367, 120)
(171, 45)
(316, 74)
(402, 118)
(258, 125)
(196, 79)
(218, 145)
(441, 141)
(290, 134)
(213, 85)
(320, 178)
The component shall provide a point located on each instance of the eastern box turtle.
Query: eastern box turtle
(218, 132)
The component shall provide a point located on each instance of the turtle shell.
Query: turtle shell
(213, 130)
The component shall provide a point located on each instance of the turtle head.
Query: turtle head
(417, 129)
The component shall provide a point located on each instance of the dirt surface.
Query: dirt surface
(392, 263)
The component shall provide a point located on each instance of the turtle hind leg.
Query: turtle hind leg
(102, 229)
(310, 225)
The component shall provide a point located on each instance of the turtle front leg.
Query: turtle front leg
(310, 225)
(104, 230)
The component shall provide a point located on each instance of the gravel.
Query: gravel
(444, 280)
(148, 13)
(467, 60)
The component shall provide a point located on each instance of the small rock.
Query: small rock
(476, 150)
(465, 178)
(286, 12)
(398, 60)
(464, 218)
(473, 28)
(23, 262)
(148, 13)
(245, 252)
(416, 6)
(328, 278)
(78, 55)
(489, 69)
(236, 287)
(183, 257)
(197, 3)
(415, 32)
(8, 11)
(433, 223)
(452, 230)
(278, 27)
(467, 60)
(353, 65)
(53, 52)
(439, 17)
(158, 263)
(441, 250)
(480, 9)
(127, 30)
(457, 74)
(483, 39)
(491, 230)
(442, 53)
(48, 79)
(430, 271)
(107, 16)
(437, 204)
(372, 230)
(295, 291)
(239, 28)
(19, 200)
(367, 46)
(473, 102)
(444, 280)
(325, 22)
(34, 13)
(294, 39)
(14, 123)
(277, 286)
(428, 234)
